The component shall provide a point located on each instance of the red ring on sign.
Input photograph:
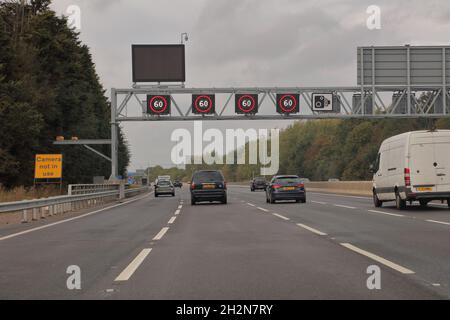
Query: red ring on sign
(240, 106)
(161, 98)
(294, 105)
(200, 110)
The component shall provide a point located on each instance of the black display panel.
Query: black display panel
(158, 63)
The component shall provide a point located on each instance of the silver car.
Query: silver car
(164, 187)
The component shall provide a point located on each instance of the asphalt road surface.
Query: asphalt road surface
(164, 248)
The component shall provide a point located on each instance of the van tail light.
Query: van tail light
(407, 177)
(276, 186)
(224, 184)
(192, 186)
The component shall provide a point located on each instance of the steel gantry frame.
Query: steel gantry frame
(370, 95)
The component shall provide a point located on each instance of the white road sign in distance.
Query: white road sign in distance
(322, 101)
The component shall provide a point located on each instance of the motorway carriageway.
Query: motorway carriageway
(164, 248)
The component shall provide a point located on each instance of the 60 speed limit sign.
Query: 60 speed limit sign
(203, 104)
(158, 104)
(288, 103)
(246, 103)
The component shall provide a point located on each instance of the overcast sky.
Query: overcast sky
(246, 43)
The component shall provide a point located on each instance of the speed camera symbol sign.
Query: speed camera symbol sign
(203, 104)
(322, 101)
(158, 104)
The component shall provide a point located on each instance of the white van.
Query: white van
(413, 166)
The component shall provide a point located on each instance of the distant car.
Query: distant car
(305, 180)
(208, 185)
(258, 183)
(164, 187)
(333, 180)
(177, 184)
(286, 187)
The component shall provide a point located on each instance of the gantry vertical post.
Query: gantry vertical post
(114, 137)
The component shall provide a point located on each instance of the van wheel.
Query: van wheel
(376, 202)
(423, 203)
(193, 201)
(399, 202)
(448, 202)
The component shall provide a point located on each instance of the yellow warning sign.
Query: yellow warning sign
(48, 166)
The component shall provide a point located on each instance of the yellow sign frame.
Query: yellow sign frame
(48, 166)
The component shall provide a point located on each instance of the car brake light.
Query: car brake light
(300, 185)
(224, 184)
(192, 185)
(276, 186)
(407, 177)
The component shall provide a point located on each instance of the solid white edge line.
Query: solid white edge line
(71, 219)
(387, 213)
(343, 206)
(319, 202)
(177, 212)
(440, 222)
(280, 216)
(161, 233)
(379, 259)
(171, 220)
(320, 233)
(262, 209)
(132, 267)
(251, 204)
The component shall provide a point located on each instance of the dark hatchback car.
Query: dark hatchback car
(286, 188)
(177, 184)
(258, 183)
(208, 185)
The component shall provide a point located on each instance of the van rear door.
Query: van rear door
(423, 173)
(442, 162)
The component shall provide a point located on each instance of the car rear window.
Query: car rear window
(260, 179)
(164, 183)
(207, 176)
(287, 180)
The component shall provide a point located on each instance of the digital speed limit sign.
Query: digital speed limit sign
(158, 104)
(288, 103)
(246, 103)
(203, 104)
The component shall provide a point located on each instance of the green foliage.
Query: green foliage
(48, 87)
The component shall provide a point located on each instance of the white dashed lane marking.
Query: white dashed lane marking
(280, 216)
(132, 267)
(320, 233)
(387, 213)
(342, 206)
(171, 220)
(161, 233)
(379, 259)
(440, 222)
